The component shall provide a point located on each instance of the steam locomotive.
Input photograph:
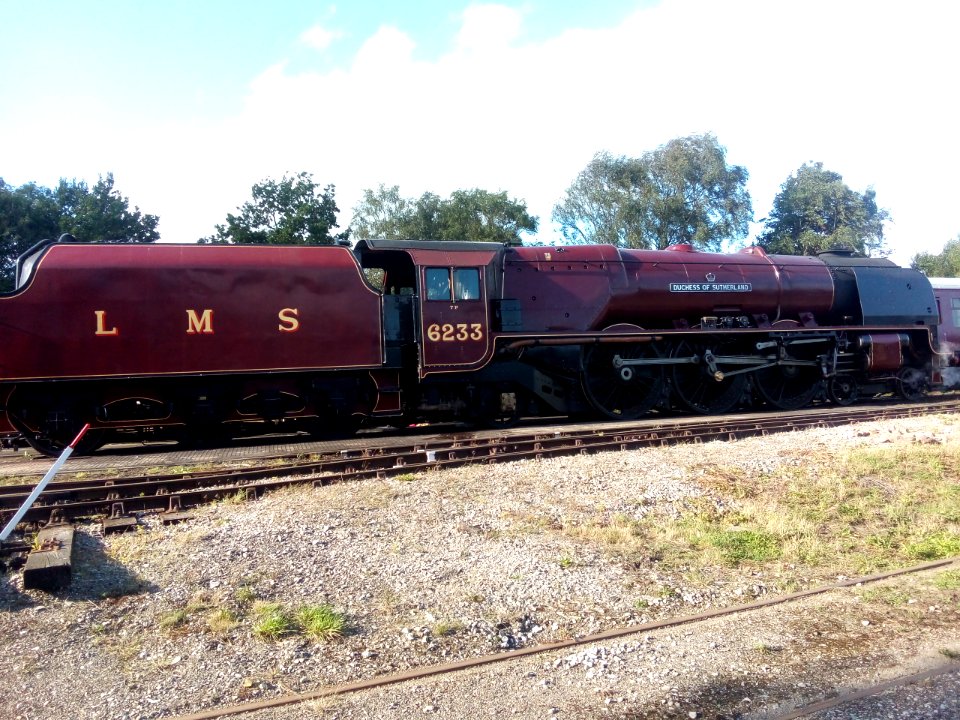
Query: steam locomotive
(198, 341)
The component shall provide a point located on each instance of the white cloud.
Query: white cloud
(319, 37)
(488, 27)
(864, 87)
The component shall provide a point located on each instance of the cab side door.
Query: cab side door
(455, 318)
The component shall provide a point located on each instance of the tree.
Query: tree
(379, 214)
(293, 211)
(485, 216)
(102, 214)
(816, 211)
(31, 213)
(682, 192)
(944, 264)
(466, 215)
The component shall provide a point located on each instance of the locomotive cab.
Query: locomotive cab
(444, 290)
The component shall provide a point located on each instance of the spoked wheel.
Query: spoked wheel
(626, 392)
(843, 390)
(696, 386)
(788, 387)
(911, 383)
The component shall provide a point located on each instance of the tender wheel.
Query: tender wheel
(911, 383)
(697, 388)
(843, 390)
(92, 441)
(626, 392)
(788, 387)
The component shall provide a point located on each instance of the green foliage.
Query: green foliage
(737, 546)
(273, 621)
(293, 211)
(476, 215)
(321, 621)
(102, 214)
(31, 213)
(948, 580)
(174, 619)
(445, 628)
(944, 264)
(682, 192)
(934, 546)
(816, 211)
(485, 216)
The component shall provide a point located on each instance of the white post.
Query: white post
(67, 452)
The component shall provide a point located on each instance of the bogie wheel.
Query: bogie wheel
(696, 387)
(911, 383)
(843, 390)
(624, 392)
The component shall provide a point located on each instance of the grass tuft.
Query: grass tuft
(222, 621)
(273, 621)
(948, 580)
(934, 547)
(321, 622)
(739, 546)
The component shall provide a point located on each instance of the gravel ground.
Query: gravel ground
(455, 564)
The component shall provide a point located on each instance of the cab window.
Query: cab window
(466, 284)
(955, 307)
(438, 284)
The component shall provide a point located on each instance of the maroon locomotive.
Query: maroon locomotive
(197, 339)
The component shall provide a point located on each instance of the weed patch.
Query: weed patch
(320, 621)
(273, 621)
(843, 512)
(948, 580)
(933, 547)
(739, 546)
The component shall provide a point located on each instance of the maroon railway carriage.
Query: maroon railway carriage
(947, 292)
(194, 339)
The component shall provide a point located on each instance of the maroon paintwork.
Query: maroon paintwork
(947, 292)
(592, 287)
(51, 329)
(456, 335)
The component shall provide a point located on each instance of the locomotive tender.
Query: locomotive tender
(195, 339)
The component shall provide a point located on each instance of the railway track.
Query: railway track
(422, 673)
(119, 499)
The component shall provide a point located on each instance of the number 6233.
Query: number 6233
(448, 332)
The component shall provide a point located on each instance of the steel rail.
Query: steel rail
(485, 660)
(866, 692)
(179, 491)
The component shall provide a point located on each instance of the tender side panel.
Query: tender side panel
(121, 310)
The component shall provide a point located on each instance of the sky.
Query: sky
(189, 103)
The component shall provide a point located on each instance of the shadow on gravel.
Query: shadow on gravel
(11, 598)
(96, 575)
(721, 698)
